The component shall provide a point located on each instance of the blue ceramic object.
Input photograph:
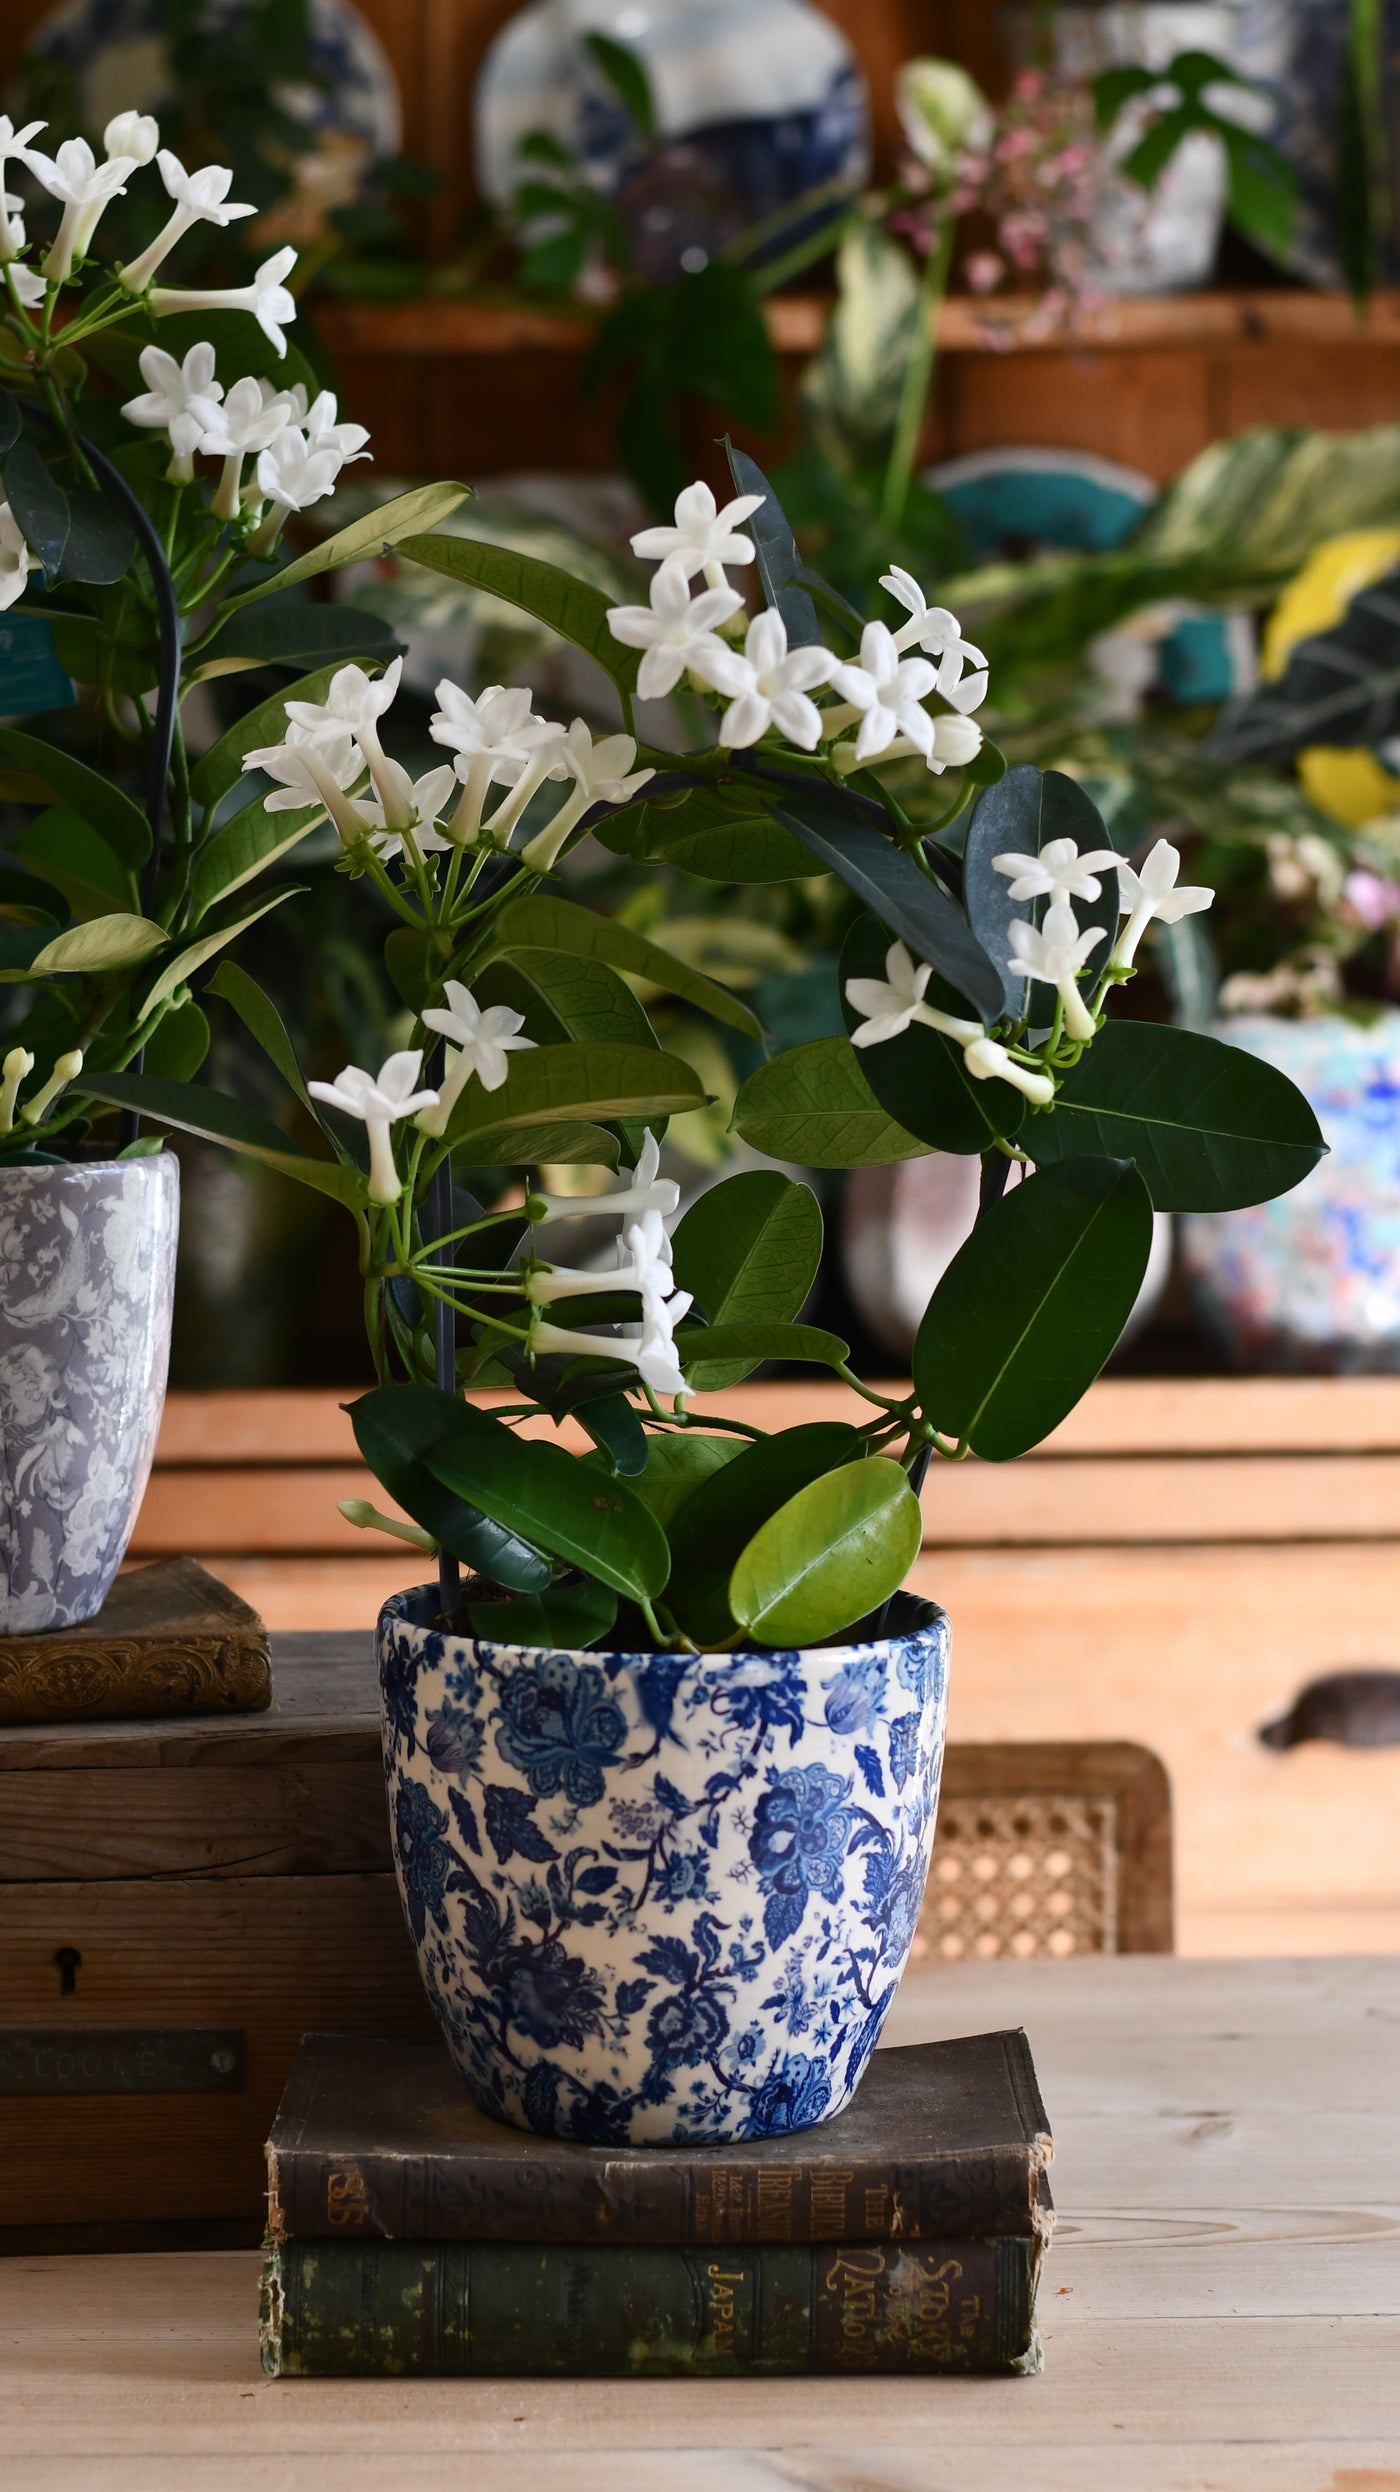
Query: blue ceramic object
(757, 102)
(1310, 1283)
(661, 1897)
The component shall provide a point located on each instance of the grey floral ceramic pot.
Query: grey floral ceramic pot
(87, 1276)
(661, 1896)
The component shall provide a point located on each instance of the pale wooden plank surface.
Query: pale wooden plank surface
(1221, 2308)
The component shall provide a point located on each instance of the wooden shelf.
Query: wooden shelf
(446, 326)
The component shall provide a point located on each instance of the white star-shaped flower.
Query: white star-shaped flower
(639, 1190)
(601, 769)
(200, 198)
(14, 142)
(1154, 892)
(429, 795)
(181, 400)
(14, 558)
(314, 772)
(482, 1043)
(775, 683)
(937, 632)
(266, 297)
(1059, 872)
(891, 1003)
(133, 134)
(954, 743)
(888, 690)
(1055, 952)
(380, 1101)
(85, 188)
(703, 538)
(678, 633)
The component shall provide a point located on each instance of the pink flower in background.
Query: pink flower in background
(983, 270)
(1371, 898)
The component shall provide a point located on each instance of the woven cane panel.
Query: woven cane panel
(1025, 1875)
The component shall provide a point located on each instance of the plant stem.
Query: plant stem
(919, 375)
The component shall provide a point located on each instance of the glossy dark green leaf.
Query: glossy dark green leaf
(178, 1044)
(920, 1078)
(574, 609)
(192, 1109)
(748, 1251)
(1021, 815)
(300, 636)
(576, 1081)
(74, 533)
(625, 72)
(839, 833)
(705, 1345)
(176, 972)
(563, 997)
(716, 1521)
(779, 562)
(569, 1617)
(262, 1020)
(562, 1504)
(1210, 1128)
(122, 823)
(70, 853)
(617, 1432)
(720, 832)
(678, 1465)
(813, 1104)
(394, 1426)
(1032, 1305)
(840, 1546)
(545, 924)
(566, 1144)
(11, 421)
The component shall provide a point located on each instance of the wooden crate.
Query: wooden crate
(1177, 1561)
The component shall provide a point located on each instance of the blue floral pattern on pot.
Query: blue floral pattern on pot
(661, 1896)
(1311, 1281)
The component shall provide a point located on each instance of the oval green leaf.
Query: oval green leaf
(1210, 1127)
(748, 1252)
(1022, 814)
(580, 1080)
(195, 955)
(365, 538)
(574, 609)
(214, 1117)
(393, 1427)
(1032, 1305)
(813, 1104)
(122, 823)
(713, 1523)
(550, 925)
(678, 1465)
(121, 941)
(565, 1505)
(247, 845)
(833, 1552)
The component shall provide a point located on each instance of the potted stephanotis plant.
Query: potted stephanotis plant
(132, 575)
(662, 1767)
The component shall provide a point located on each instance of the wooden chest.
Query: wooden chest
(179, 1903)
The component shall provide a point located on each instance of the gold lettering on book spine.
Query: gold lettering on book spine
(721, 2310)
(829, 2217)
(347, 2198)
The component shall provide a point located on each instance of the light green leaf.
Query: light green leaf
(830, 1555)
(424, 507)
(748, 1252)
(122, 823)
(545, 924)
(813, 1104)
(718, 1519)
(247, 845)
(1032, 1305)
(121, 941)
(678, 1465)
(701, 1345)
(570, 607)
(195, 955)
(192, 1109)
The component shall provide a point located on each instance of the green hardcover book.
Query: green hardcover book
(498, 2309)
(944, 2140)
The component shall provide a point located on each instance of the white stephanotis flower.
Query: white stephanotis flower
(315, 773)
(133, 134)
(14, 558)
(1059, 872)
(640, 1190)
(380, 1101)
(954, 743)
(1154, 892)
(493, 737)
(1055, 952)
(265, 296)
(932, 629)
(775, 683)
(602, 773)
(181, 400)
(481, 1044)
(703, 538)
(85, 188)
(25, 284)
(293, 473)
(199, 198)
(986, 1060)
(324, 429)
(891, 1003)
(354, 704)
(14, 142)
(644, 1264)
(887, 690)
(678, 633)
(429, 794)
(242, 427)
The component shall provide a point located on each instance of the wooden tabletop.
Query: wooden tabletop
(1221, 2307)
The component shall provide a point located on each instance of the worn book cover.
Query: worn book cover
(338, 2309)
(942, 2139)
(168, 1639)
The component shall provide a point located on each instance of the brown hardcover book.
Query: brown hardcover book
(168, 1639)
(943, 2140)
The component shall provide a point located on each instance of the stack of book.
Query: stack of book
(409, 2233)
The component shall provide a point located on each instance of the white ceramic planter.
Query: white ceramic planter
(661, 1896)
(87, 1278)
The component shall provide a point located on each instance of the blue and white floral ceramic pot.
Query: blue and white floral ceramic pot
(661, 1897)
(1311, 1281)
